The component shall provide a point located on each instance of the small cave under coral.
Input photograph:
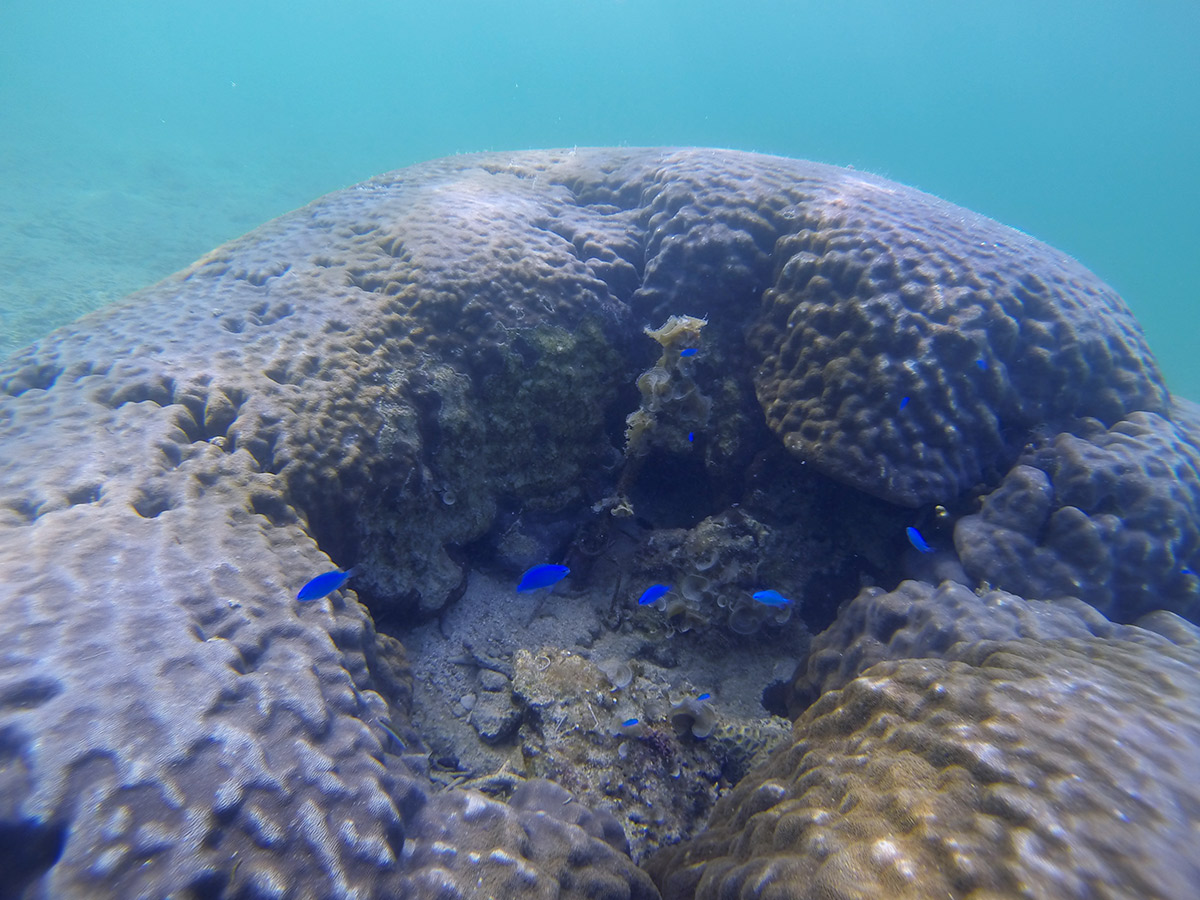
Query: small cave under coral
(672, 491)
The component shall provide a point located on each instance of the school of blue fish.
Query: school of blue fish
(545, 575)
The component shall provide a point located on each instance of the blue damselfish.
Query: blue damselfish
(542, 576)
(652, 593)
(771, 598)
(324, 585)
(917, 539)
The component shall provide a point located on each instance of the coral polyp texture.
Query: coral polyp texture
(1110, 514)
(1060, 768)
(918, 621)
(908, 344)
(428, 376)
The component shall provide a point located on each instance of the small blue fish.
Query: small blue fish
(632, 727)
(982, 363)
(771, 598)
(704, 697)
(690, 351)
(542, 576)
(917, 539)
(391, 733)
(324, 585)
(691, 437)
(903, 402)
(652, 593)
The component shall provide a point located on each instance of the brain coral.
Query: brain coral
(1060, 768)
(368, 379)
(1110, 515)
(907, 344)
(918, 621)
(900, 343)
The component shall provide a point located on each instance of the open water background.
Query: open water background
(136, 136)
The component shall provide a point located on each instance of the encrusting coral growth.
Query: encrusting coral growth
(430, 376)
(1111, 514)
(1063, 767)
(673, 408)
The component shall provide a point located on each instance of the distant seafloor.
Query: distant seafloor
(135, 139)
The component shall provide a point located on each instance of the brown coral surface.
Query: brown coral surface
(1061, 768)
(381, 378)
(1108, 514)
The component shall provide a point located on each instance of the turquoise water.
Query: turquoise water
(134, 137)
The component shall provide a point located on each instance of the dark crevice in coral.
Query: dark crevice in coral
(391, 615)
(150, 503)
(279, 373)
(428, 402)
(172, 453)
(774, 698)
(27, 510)
(259, 277)
(188, 422)
(558, 536)
(616, 416)
(673, 490)
(365, 281)
(29, 693)
(826, 592)
(83, 494)
(486, 361)
(268, 313)
(31, 377)
(28, 850)
(395, 248)
(273, 508)
(154, 388)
